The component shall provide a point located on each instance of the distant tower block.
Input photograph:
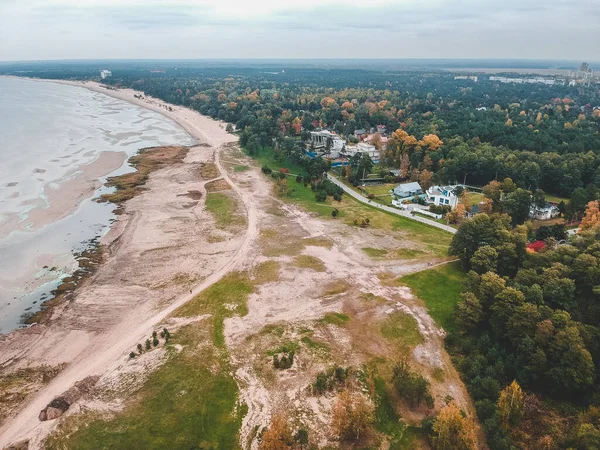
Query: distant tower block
(585, 67)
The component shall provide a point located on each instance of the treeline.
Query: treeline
(533, 318)
(540, 136)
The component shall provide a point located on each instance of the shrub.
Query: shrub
(298, 178)
(148, 344)
(371, 196)
(140, 348)
(337, 197)
(155, 342)
(265, 169)
(334, 213)
(131, 355)
(413, 387)
(301, 437)
(321, 196)
(285, 362)
(327, 381)
(352, 416)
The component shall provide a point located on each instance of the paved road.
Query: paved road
(398, 212)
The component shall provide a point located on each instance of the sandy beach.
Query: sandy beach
(149, 246)
(165, 249)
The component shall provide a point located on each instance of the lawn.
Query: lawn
(350, 209)
(556, 198)
(440, 289)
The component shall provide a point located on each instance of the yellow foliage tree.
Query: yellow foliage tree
(453, 431)
(511, 404)
(509, 122)
(376, 141)
(538, 119)
(347, 105)
(591, 219)
(597, 113)
(457, 215)
(432, 142)
(278, 436)
(352, 416)
(327, 102)
(465, 199)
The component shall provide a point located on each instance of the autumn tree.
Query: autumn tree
(376, 141)
(297, 125)
(425, 178)
(431, 142)
(404, 166)
(457, 214)
(452, 430)
(352, 416)
(278, 436)
(465, 199)
(511, 405)
(591, 219)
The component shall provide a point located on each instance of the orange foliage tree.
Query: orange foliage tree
(453, 431)
(278, 436)
(432, 142)
(297, 125)
(591, 220)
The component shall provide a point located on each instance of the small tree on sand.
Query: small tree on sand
(352, 416)
(452, 430)
(278, 436)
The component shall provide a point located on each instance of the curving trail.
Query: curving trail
(112, 346)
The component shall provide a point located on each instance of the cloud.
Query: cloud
(48, 29)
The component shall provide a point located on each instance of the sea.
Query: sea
(48, 133)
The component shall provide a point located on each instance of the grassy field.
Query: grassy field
(189, 402)
(224, 207)
(223, 299)
(436, 240)
(440, 289)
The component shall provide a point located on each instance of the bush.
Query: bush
(265, 169)
(285, 362)
(140, 348)
(298, 178)
(371, 196)
(320, 196)
(148, 344)
(334, 213)
(411, 386)
(334, 377)
(132, 355)
(155, 342)
(337, 197)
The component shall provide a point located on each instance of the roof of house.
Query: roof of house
(409, 187)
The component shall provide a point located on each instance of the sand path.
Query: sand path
(113, 345)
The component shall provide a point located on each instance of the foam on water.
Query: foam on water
(48, 131)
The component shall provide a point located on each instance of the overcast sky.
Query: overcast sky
(103, 29)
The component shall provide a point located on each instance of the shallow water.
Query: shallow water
(48, 131)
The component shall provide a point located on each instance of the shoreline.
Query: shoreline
(148, 246)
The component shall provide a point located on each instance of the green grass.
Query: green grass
(223, 207)
(309, 262)
(375, 252)
(556, 198)
(314, 345)
(440, 289)
(334, 318)
(189, 402)
(402, 330)
(223, 299)
(350, 209)
(284, 348)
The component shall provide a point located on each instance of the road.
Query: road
(398, 212)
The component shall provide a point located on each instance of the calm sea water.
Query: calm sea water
(47, 131)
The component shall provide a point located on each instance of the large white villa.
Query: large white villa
(442, 195)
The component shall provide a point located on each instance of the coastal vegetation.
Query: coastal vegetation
(145, 162)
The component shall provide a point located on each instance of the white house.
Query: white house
(351, 150)
(442, 196)
(408, 190)
(549, 211)
(105, 74)
(320, 140)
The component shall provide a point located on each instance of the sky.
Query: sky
(196, 29)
